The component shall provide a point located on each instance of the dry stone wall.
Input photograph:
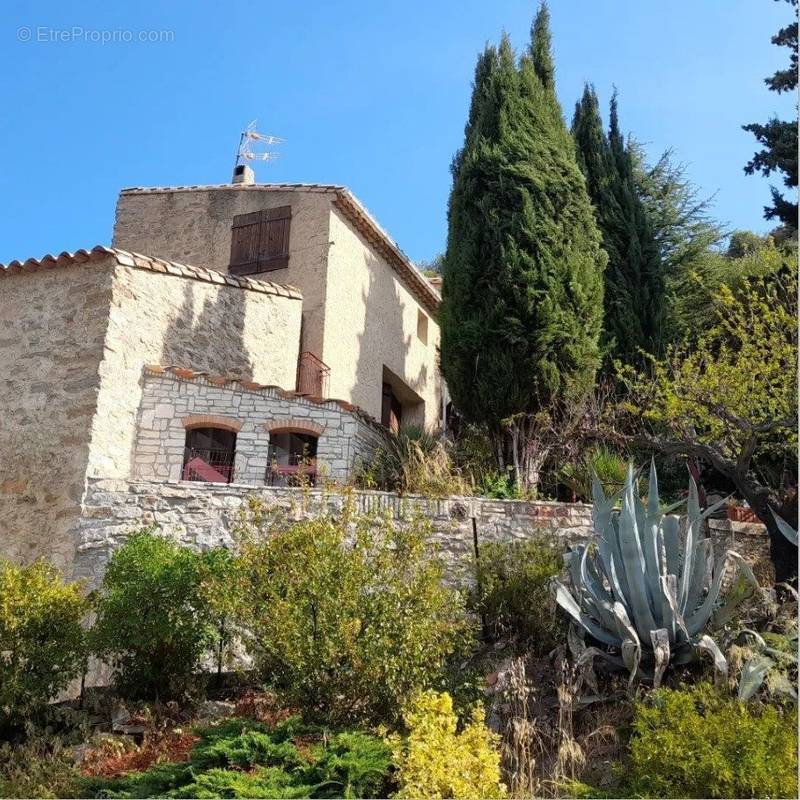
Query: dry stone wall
(204, 516)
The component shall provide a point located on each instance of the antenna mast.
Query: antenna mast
(245, 150)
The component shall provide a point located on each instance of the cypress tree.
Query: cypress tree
(634, 303)
(522, 292)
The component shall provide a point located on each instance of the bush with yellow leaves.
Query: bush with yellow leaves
(436, 761)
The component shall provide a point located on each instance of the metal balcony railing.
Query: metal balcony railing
(291, 470)
(312, 375)
(211, 466)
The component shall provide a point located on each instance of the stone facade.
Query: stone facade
(364, 302)
(52, 342)
(204, 515)
(79, 330)
(174, 400)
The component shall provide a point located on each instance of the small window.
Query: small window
(422, 326)
(292, 459)
(260, 241)
(209, 455)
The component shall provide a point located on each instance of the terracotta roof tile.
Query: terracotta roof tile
(138, 261)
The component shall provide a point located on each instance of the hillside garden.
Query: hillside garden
(601, 344)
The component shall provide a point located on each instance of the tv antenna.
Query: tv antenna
(250, 136)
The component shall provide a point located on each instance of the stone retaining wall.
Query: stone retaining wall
(203, 515)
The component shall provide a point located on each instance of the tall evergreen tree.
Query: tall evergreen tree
(634, 300)
(522, 292)
(779, 137)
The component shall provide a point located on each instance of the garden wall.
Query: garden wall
(203, 515)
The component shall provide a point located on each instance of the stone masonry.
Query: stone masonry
(175, 399)
(204, 516)
(78, 330)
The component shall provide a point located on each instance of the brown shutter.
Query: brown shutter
(245, 236)
(274, 245)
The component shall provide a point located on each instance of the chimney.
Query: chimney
(242, 173)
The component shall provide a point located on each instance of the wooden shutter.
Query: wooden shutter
(274, 246)
(260, 241)
(245, 236)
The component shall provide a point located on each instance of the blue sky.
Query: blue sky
(369, 94)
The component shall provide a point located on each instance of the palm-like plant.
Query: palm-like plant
(646, 589)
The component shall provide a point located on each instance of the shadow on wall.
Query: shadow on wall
(383, 350)
(212, 337)
(207, 334)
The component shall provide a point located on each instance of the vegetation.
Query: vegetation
(700, 743)
(599, 461)
(38, 767)
(778, 138)
(436, 761)
(634, 295)
(348, 615)
(415, 461)
(522, 293)
(643, 591)
(153, 621)
(512, 592)
(42, 640)
(731, 398)
(240, 758)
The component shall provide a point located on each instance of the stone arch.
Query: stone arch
(212, 421)
(294, 426)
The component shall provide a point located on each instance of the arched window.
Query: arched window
(292, 458)
(209, 455)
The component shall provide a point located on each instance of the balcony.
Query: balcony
(312, 376)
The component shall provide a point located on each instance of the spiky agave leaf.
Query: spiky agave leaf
(785, 528)
(638, 591)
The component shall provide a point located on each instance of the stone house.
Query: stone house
(271, 331)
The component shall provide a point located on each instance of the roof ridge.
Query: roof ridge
(126, 258)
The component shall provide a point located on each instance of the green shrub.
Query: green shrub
(700, 743)
(348, 615)
(499, 486)
(434, 761)
(239, 758)
(153, 619)
(40, 767)
(42, 641)
(610, 468)
(512, 592)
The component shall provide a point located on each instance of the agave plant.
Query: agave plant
(650, 588)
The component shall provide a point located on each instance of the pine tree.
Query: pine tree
(634, 299)
(522, 291)
(779, 137)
